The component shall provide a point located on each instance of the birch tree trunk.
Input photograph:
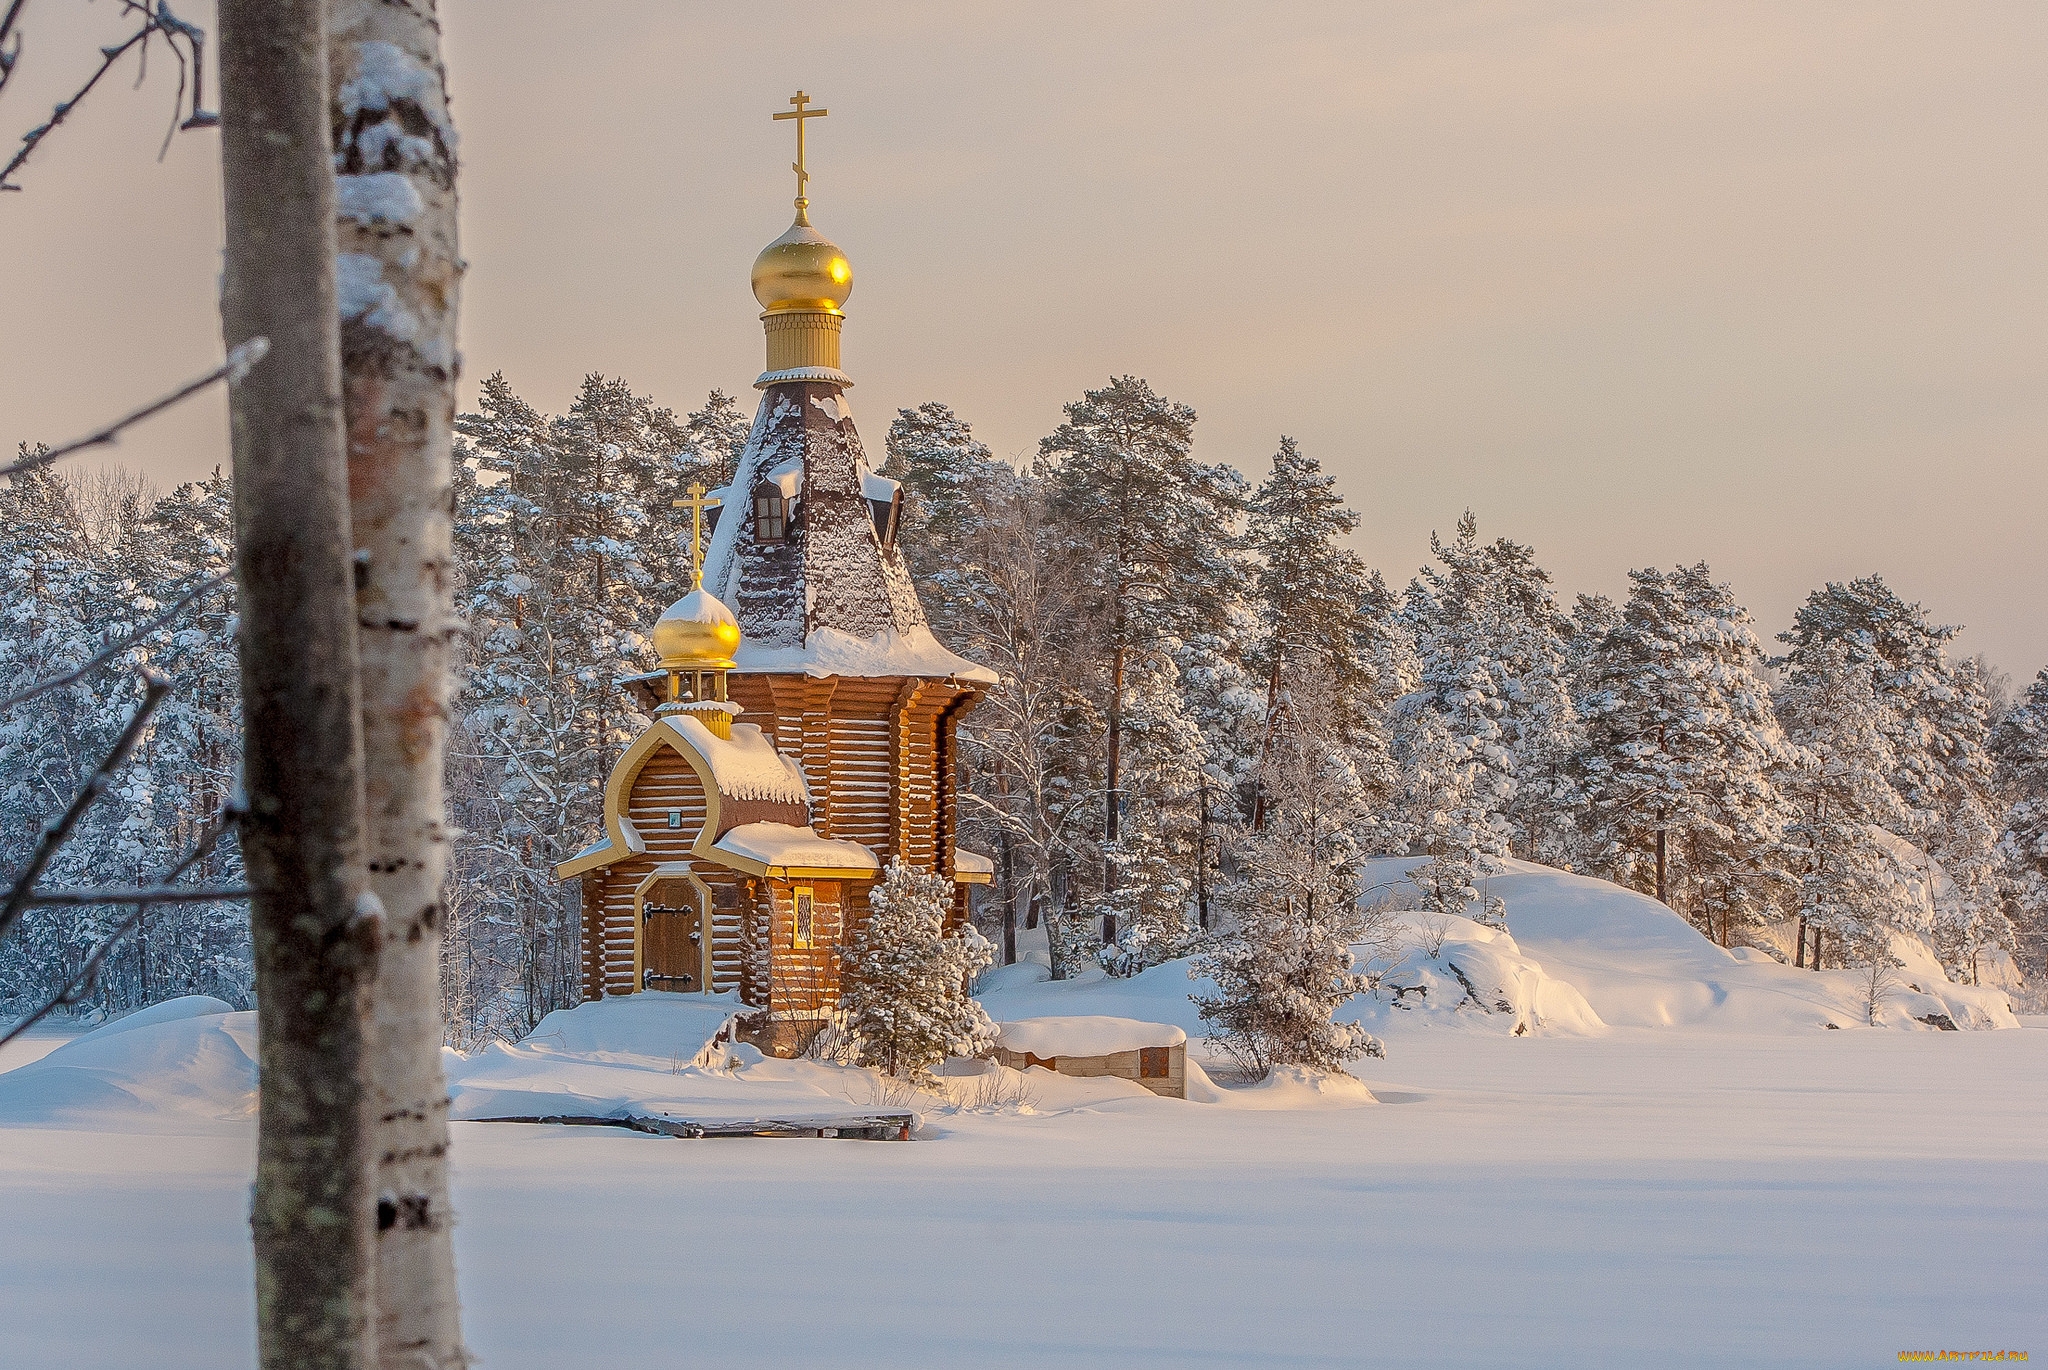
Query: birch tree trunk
(314, 926)
(400, 271)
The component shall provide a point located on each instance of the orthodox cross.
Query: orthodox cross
(696, 504)
(800, 114)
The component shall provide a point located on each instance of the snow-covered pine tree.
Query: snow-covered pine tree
(1838, 791)
(1152, 531)
(539, 717)
(1033, 739)
(904, 1005)
(1438, 816)
(1681, 750)
(1319, 611)
(1156, 852)
(716, 435)
(2020, 745)
(1288, 962)
(1491, 660)
(950, 486)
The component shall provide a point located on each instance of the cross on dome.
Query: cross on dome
(696, 504)
(802, 176)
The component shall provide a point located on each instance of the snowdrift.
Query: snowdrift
(186, 1062)
(1638, 964)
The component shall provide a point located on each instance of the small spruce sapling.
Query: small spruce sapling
(904, 1006)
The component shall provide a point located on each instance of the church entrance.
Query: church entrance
(672, 951)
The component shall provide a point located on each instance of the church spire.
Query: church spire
(802, 279)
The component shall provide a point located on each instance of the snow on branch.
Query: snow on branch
(137, 894)
(82, 980)
(55, 834)
(240, 359)
(159, 21)
(114, 649)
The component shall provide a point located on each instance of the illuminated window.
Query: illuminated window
(800, 934)
(770, 514)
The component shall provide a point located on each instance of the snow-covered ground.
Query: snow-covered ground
(1741, 1187)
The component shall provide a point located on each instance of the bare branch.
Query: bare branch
(161, 21)
(114, 649)
(9, 55)
(240, 359)
(82, 980)
(155, 687)
(136, 894)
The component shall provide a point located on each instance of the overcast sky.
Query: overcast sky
(1760, 284)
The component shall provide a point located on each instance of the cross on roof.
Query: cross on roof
(800, 114)
(696, 504)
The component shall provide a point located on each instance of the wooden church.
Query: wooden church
(804, 717)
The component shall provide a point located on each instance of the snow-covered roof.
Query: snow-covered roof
(744, 766)
(777, 849)
(972, 867)
(1050, 1037)
(831, 651)
(831, 597)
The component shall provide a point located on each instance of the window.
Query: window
(1154, 1062)
(770, 522)
(800, 934)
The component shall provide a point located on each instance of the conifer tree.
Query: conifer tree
(1681, 749)
(950, 483)
(1155, 854)
(1319, 610)
(904, 1005)
(1491, 660)
(1151, 530)
(1289, 964)
(1838, 791)
(2021, 747)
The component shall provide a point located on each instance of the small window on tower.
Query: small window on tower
(770, 514)
(800, 934)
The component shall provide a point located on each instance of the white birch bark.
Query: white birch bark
(314, 928)
(399, 272)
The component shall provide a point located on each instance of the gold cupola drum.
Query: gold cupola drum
(802, 280)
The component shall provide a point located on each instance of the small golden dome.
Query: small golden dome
(803, 269)
(696, 633)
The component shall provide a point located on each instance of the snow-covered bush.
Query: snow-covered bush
(903, 1003)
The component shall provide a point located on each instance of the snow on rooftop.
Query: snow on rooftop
(780, 845)
(746, 765)
(967, 862)
(831, 651)
(1091, 1036)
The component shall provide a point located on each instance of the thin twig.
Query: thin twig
(154, 688)
(136, 894)
(82, 980)
(161, 21)
(115, 649)
(9, 56)
(240, 359)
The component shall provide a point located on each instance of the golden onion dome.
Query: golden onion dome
(696, 633)
(803, 269)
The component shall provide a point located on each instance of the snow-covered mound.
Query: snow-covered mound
(185, 1061)
(1638, 964)
(1478, 981)
(648, 1055)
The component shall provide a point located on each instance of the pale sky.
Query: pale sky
(1762, 284)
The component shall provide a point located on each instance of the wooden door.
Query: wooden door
(672, 933)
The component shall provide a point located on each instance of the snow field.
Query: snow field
(1673, 1163)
